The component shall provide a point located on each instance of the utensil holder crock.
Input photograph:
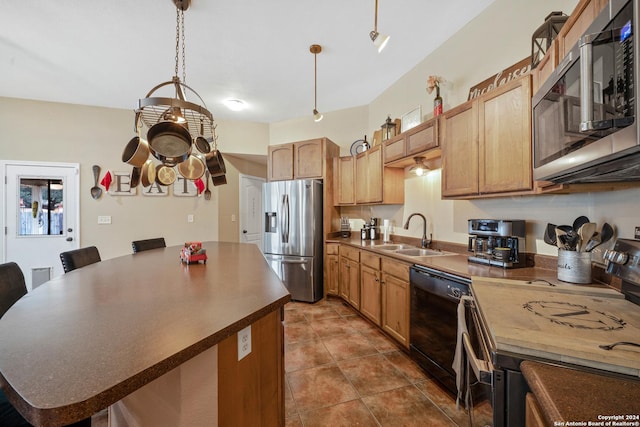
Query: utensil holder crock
(574, 266)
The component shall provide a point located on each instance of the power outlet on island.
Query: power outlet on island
(244, 342)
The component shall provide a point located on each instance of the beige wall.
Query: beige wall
(42, 131)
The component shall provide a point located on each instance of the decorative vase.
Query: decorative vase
(437, 103)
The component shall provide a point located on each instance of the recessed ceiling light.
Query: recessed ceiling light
(235, 104)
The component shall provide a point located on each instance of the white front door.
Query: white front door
(251, 209)
(41, 217)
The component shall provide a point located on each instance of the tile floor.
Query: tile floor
(340, 370)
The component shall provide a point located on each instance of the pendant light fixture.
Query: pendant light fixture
(174, 119)
(315, 49)
(419, 168)
(379, 40)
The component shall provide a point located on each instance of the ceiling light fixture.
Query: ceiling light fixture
(235, 104)
(419, 168)
(315, 49)
(379, 40)
(175, 121)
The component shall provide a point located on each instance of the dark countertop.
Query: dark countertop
(86, 339)
(565, 394)
(457, 264)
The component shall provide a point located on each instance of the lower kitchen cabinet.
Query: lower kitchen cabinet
(395, 300)
(350, 275)
(370, 287)
(332, 269)
(533, 414)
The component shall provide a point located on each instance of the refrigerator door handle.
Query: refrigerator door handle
(285, 219)
(288, 261)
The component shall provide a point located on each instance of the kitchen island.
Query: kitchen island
(153, 339)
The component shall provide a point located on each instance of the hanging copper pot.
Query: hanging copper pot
(136, 152)
(135, 177)
(148, 173)
(192, 168)
(219, 180)
(169, 142)
(165, 175)
(215, 163)
(202, 145)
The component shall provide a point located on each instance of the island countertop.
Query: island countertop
(86, 339)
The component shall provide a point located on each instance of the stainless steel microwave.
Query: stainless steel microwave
(584, 115)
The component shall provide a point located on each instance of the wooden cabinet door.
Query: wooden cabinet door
(395, 308)
(369, 176)
(345, 180)
(353, 272)
(280, 162)
(533, 413)
(362, 169)
(423, 137)
(308, 157)
(504, 117)
(343, 283)
(332, 281)
(374, 176)
(582, 16)
(460, 150)
(370, 297)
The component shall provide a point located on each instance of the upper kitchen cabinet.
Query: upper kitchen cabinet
(486, 149)
(460, 150)
(582, 16)
(300, 160)
(420, 141)
(374, 183)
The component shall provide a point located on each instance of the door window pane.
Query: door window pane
(41, 210)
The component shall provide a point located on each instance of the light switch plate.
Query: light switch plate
(104, 219)
(244, 342)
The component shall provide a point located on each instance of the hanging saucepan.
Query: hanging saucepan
(215, 163)
(135, 177)
(202, 145)
(192, 168)
(148, 173)
(169, 142)
(219, 180)
(136, 152)
(165, 175)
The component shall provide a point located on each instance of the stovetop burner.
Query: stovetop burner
(575, 315)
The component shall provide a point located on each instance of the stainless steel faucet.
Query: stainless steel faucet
(424, 243)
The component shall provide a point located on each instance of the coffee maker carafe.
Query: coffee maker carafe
(497, 242)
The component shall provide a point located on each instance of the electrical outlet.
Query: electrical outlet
(636, 234)
(244, 342)
(104, 219)
(190, 218)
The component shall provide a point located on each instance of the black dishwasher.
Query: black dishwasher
(434, 321)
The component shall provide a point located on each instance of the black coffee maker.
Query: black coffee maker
(497, 242)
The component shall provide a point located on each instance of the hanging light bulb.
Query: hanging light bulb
(315, 49)
(379, 40)
(419, 168)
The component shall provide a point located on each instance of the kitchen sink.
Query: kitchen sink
(393, 247)
(417, 252)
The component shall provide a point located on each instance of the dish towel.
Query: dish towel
(458, 358)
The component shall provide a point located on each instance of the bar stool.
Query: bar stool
(77, 258)
(145, 245)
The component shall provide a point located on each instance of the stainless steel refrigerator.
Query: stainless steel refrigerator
(293, 235)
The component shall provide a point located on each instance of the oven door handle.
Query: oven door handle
(481, 368)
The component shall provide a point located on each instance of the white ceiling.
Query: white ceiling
(111, 53)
